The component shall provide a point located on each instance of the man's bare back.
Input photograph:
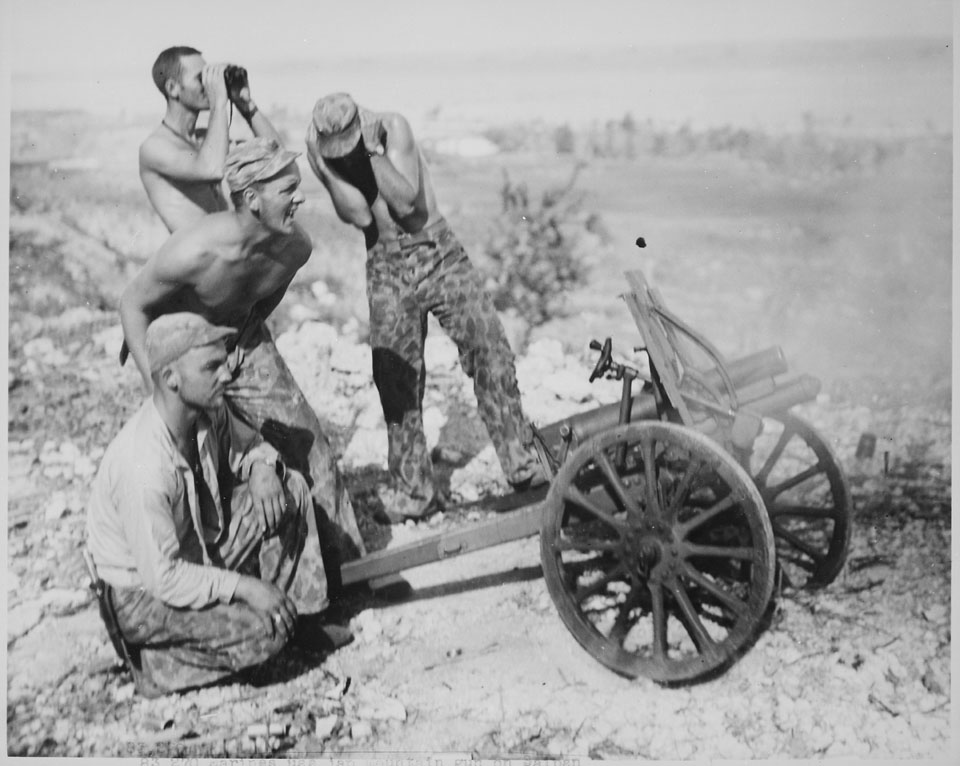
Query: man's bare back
(222, 278)
(226, 265)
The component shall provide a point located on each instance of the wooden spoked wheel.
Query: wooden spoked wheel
(807, 497)
(657, 551)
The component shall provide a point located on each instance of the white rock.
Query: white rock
(440, 354)
(370, 410)
(124, 693)
(299, 314)
(324, 726)
(351, 359)
(480, 476)
(26, 445)
(936, 613)
(22, 618)
(19, 466)
(109, 340)
(63, 599)
(360, 730)
(381, 708)
(433, 422)
(74, 317)
(56, 506)
(13, 582)
(350, 330)
(568, 387)
(367, 447)
(84, 466)
(321, 291)
(39, 348)
(368, 626)
(314, 336)
(549, 350)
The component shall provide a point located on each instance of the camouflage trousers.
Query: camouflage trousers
(431, 273)
(179, 649)
(264, 394)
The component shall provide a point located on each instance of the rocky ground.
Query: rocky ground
(477, 661)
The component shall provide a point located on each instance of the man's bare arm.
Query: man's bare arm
(171, 269)
(298, 252)
(259, 123)
(177, 159)
(348, 200)
(395, 162)
(266, 306)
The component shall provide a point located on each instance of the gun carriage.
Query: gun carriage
(671, 516)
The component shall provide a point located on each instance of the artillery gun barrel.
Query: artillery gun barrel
(761, 364)
(743, 372)
(801, 389)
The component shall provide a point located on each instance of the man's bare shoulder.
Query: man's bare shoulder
(160, 145)
(299, 243)
(194, 247)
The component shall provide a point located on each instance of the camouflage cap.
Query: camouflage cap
(172, 335)
(255, 160)
(337, 123)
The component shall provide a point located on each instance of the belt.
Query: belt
(426, 235)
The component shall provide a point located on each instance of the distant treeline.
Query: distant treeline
(809, 152)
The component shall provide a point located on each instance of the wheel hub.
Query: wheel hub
(653, 544)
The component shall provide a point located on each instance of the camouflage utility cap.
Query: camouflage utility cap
(337, 123)
(255, 160)
(172, 335)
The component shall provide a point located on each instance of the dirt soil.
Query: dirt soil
(476, 662)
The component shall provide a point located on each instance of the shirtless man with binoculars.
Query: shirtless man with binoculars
(181, 166)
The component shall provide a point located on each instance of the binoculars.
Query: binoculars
(235, 78)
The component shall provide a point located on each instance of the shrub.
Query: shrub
(531, 252)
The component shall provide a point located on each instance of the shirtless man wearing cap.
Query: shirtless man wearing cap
(378, 181)
(233, 268)
(182, 168)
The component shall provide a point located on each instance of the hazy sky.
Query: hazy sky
(94, 35)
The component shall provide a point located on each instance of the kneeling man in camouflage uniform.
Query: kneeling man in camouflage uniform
(378, 181)
(207, 543)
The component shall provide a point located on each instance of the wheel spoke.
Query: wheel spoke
(803, 511)
(587, 544)
(613, 479)
(793, 481)
(708, 515)
(621, 626)
(650, 474)
(682, 490)
(774, 456)
(734, 604)
(718, 551)
(704, 643)
(595, 587)
(576, 497)
(659, 613)
(797, 542)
